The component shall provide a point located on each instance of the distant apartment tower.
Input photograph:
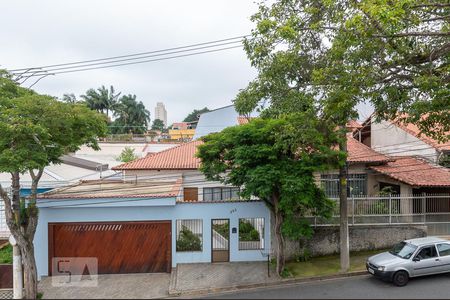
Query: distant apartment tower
(161, 113)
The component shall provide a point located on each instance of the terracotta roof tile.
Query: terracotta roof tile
(97, 189)
(415, 172)
(181, 157)
(353, 124)
(360, 153)
(243, 120)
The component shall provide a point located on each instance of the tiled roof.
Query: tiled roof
(415, 172)
(181, 157)
(97, 189)
(243, 120)
(360, 153)
(415, 131)
(353, 124)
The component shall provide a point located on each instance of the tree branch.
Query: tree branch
(411, 34)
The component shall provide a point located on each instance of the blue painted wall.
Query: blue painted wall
(151, 210)
(26, 192)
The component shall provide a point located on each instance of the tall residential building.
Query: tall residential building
(161, 113)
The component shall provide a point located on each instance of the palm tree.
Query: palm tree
(69, 98)
(101, 99)
(130, 115)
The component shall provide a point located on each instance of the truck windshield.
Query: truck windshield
(403, 250)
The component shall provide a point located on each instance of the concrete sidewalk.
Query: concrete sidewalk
(117, 286)
(190, 278)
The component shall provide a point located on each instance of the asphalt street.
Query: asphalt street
(361, 287)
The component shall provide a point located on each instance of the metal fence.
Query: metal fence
(189, 235)
(432, 210)
(251, 234)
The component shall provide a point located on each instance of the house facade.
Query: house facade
(396, 139)
(372, 173)
(160, 213)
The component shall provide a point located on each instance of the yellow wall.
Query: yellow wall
(181, 133)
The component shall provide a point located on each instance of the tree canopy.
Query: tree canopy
(36, 130)
(101, 99)
(274, 160)
(131, 115)
(158, 125)
(193, 116)
(336, 54)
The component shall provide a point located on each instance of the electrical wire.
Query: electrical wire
(131, 55)
(39, 72)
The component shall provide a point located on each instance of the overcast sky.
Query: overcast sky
(35, 33)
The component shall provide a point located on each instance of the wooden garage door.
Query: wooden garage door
(120, 247)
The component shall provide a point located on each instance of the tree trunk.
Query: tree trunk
(23, 228)
(29, 268)
(280, 241)
(343, 212)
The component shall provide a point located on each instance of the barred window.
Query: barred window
(220, 193)
(189, 235)
(357, 184)
(251, 234)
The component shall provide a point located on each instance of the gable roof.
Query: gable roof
(415, 131)
(415, 172)
(353, 124)
(360, 153)
(181, 157)
(97, 189)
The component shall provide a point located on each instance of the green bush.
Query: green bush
(247, 232)
(222, 229)
(6, 254)
(304, 255)
(127, 155)
(188, 241)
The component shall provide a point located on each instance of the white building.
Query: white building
(161, 113)
(396, 139)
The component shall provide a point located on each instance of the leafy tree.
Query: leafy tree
(188, 241)
(36, 131)
(127, 155)
(270, 160)
(158, 125)
(101, 99)
(131, 116)
(193, 116)
(333, 55)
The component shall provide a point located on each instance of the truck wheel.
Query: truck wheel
(400, 278)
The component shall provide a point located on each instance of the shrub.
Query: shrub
(127, 155)
(304, 255)
(188, 241)
(247, 232)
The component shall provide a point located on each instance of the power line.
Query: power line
(140, 62)
(43, 71)
(130, 55)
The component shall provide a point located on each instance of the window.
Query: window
(190, 194)
(220, 193)
(444, 249)
(251, 234)
(357, 184)
(189, 235)
(427, 252)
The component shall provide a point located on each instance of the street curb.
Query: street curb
(281, 282)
